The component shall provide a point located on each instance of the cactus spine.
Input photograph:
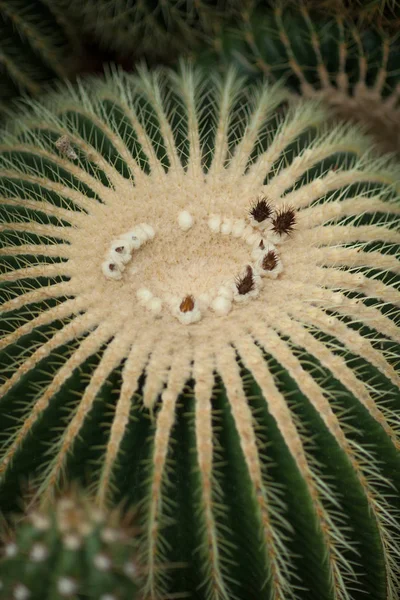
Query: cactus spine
(199, 316)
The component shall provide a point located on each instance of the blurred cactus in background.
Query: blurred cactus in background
(200, 289)
(37, 44)
(156, 30)
(346, 53)
(70, 550)
(354, 70)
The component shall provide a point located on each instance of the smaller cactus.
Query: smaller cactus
(37, 45)
(71, 550)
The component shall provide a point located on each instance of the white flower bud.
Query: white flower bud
(185, 220)
(238, 228)
(133, 239)
(253, 238)
(140, 233)
(148, 229)
(226, 226)
(214, 223)
(155, 305)
(221, 305)
(204, 301)
(109, 535)
(120, 251)
(247, 231)
(144, 295)
(112, 270)
(226, 291)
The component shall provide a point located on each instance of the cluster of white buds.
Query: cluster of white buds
(121, 249)
(266, 228)
(235, 227)
(222, 303)
(148, 301)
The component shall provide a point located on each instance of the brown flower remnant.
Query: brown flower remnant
(270, 261)
(187, 304)
(246, 283)
(261, 210)
(284, 221)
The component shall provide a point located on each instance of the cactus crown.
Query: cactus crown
(186, 256)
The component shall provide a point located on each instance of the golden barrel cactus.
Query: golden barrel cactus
(200, 316)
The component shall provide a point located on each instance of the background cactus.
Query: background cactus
(384, 13)
(250, 408)
(37, 44)
(70, 550)
(323, 49)
(351, 67)
(157, 30)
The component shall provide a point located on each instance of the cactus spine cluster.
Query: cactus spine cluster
(261, 443)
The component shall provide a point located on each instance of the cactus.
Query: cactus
(322, 47)
(159, 30)
(385, 13)
(353, 69)
(36, 46)
(199, 287)
(70, 550)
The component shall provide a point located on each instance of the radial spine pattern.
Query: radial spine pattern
(199, 299)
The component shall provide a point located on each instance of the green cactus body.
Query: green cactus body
(353, 69)
(200, 291)
(35, 47)
(71, 550)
